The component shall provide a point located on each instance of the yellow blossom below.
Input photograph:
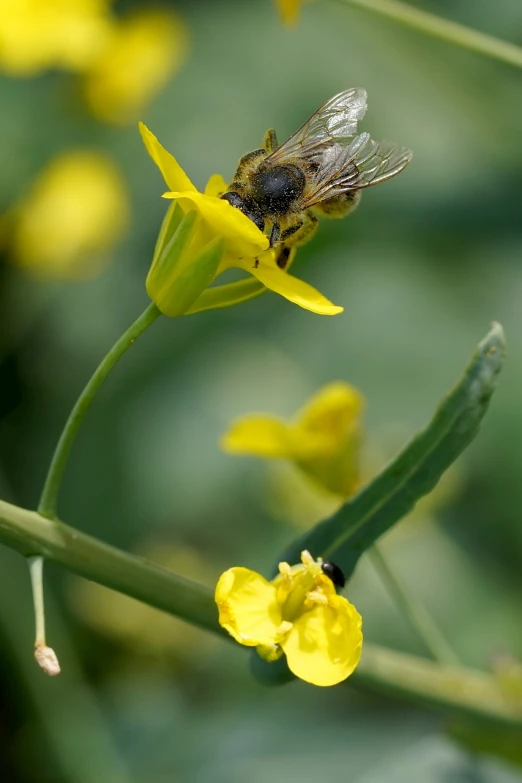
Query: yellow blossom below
(298, 614)
(142, 53)
(40, 34)
(246, 247)
(323, 439)
(74, 213)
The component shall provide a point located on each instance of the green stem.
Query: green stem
(49, 497)
(473, 693)
(32, 534)
(445, 30)
(77, 733)
(36, 571)
(413, 611)
(458, 690)
(86, 751)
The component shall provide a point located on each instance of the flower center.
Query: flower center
(300, 588)
(294, 606)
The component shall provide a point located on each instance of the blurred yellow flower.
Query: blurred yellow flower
(324, 439)
(40, 34)
(298, 614)
(246, 247)
(143, 51)
(74, 213)
(289, 10)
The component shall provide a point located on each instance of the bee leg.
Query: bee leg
(275, 234)
(301, 232)
(284, 256)
(270, 141)
(292, 237)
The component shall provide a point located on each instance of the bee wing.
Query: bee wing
(364, 162)
(336, 120)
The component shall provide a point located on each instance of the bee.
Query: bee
(319, 171)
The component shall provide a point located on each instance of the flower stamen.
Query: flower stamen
(316, 597)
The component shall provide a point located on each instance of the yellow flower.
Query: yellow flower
(289, 10)
(323, 440)
(299, 614)
(142, 53)
(74, 213)
(40, 34)
(246, 247)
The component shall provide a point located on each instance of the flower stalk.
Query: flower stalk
(443, 29)
(49, 498)
(45, 656)
(413, 611)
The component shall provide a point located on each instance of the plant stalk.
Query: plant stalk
(414, 612)
(49, 498)
(444, 29)
(457, 689)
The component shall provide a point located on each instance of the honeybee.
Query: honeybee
(319, 171)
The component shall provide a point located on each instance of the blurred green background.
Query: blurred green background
(422, 268)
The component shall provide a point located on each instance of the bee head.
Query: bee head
(246, 206)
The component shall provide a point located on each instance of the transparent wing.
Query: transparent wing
(362, 163)
(335, 122)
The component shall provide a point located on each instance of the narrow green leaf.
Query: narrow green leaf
(415, 471)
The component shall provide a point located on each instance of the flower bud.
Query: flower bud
(185, 263)
(47, 660)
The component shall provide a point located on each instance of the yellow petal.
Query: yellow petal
(327, 435)
(248, 608)
(216, 186)
(332, 410)
(172, 172)
(324, 645)
(293, 289)
(145, 50)
(289, 10)
(242, 236)
(330, 421)
(75, 211)
(262, 436)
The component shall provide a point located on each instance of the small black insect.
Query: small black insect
(334, 573)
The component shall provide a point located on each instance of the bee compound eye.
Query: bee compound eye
(234, 199)
(246, 207)
(257, 219)
(334, 573)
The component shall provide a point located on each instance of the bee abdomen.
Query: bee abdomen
(339, 206)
